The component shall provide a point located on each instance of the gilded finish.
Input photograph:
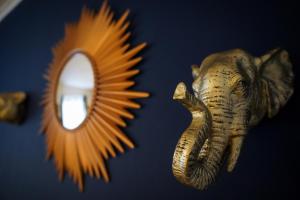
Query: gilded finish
(12, 107)
(85, 149)
(233, 91)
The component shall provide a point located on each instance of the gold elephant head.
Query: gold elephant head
(12, 106)
(232, 92)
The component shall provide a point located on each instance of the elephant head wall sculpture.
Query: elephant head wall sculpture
(12, 107)
(233, 91)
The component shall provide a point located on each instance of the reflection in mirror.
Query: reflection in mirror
(75, 91)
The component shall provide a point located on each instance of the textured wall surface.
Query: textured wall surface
(180, 33)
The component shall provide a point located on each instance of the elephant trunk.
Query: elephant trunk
(199, 152)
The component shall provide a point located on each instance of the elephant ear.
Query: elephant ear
(275, 69)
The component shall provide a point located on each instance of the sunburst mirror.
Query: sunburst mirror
(87, 96)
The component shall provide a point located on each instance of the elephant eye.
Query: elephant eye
(243, 84)
(240, 88)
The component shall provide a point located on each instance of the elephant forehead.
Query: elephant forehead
(210, 81)
(220, 71)
(217, 77)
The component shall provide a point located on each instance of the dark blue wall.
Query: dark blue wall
(180, 33)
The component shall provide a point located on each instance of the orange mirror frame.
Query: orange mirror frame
(84, 149)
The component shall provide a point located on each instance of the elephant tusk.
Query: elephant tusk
(235, 149)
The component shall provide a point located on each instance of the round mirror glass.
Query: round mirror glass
(75, 91)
